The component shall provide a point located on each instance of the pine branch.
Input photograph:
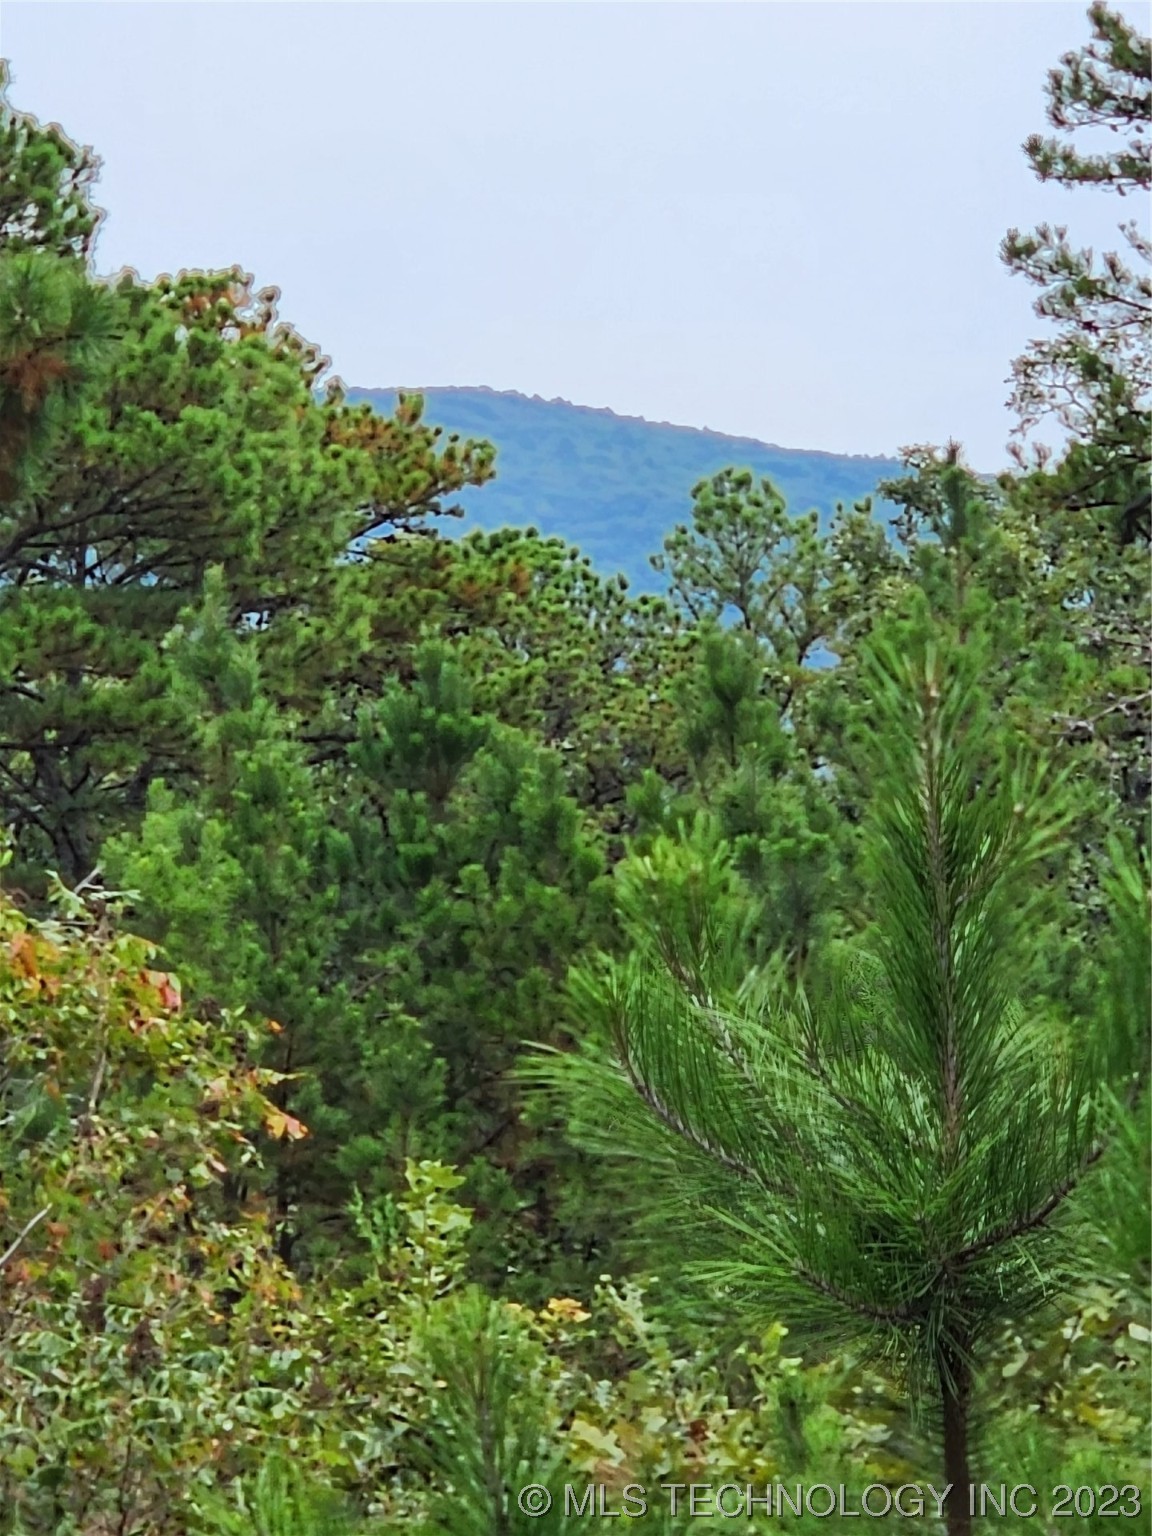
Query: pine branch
(693, 1138)
(1008, 1231)
(891, 1315)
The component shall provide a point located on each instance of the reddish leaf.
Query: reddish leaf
(166, 989)
(280, 1125)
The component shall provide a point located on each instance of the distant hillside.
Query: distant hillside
(617, 485)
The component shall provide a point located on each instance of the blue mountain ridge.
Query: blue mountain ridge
(614, 485)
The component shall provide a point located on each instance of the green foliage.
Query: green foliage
(278, 1502)
(45, 185)
(56, 327)
(404, 914)
(1107, 84)
(894, 1176)
(122, 1114)
(1093, 375)
(773, 811)
(744, 553)
(1061, 612)
(549, 647)
(489, 1428)
(203, 446)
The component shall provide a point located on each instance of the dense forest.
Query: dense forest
(483, 1051)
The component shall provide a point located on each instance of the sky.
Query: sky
(779, 220)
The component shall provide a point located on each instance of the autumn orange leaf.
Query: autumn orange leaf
(279, 1125)
(166, 989)
(22, 953)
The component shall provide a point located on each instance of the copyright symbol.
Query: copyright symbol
(534, 1500)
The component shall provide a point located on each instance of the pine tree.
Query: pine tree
(56, 330)
(892, 1160)
(55, 322)
(551, 648)
(770, 810)
(45, 185)
(746, 556)
(150, 432)
(1093, 375)
(404, 912)
(491, 1431)
(203, 447)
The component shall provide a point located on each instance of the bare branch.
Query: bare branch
(22, 1234)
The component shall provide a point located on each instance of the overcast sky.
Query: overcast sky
(779, 220)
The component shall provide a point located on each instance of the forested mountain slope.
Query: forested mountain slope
(616, 485)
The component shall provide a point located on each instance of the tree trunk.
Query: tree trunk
(956, 1392)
